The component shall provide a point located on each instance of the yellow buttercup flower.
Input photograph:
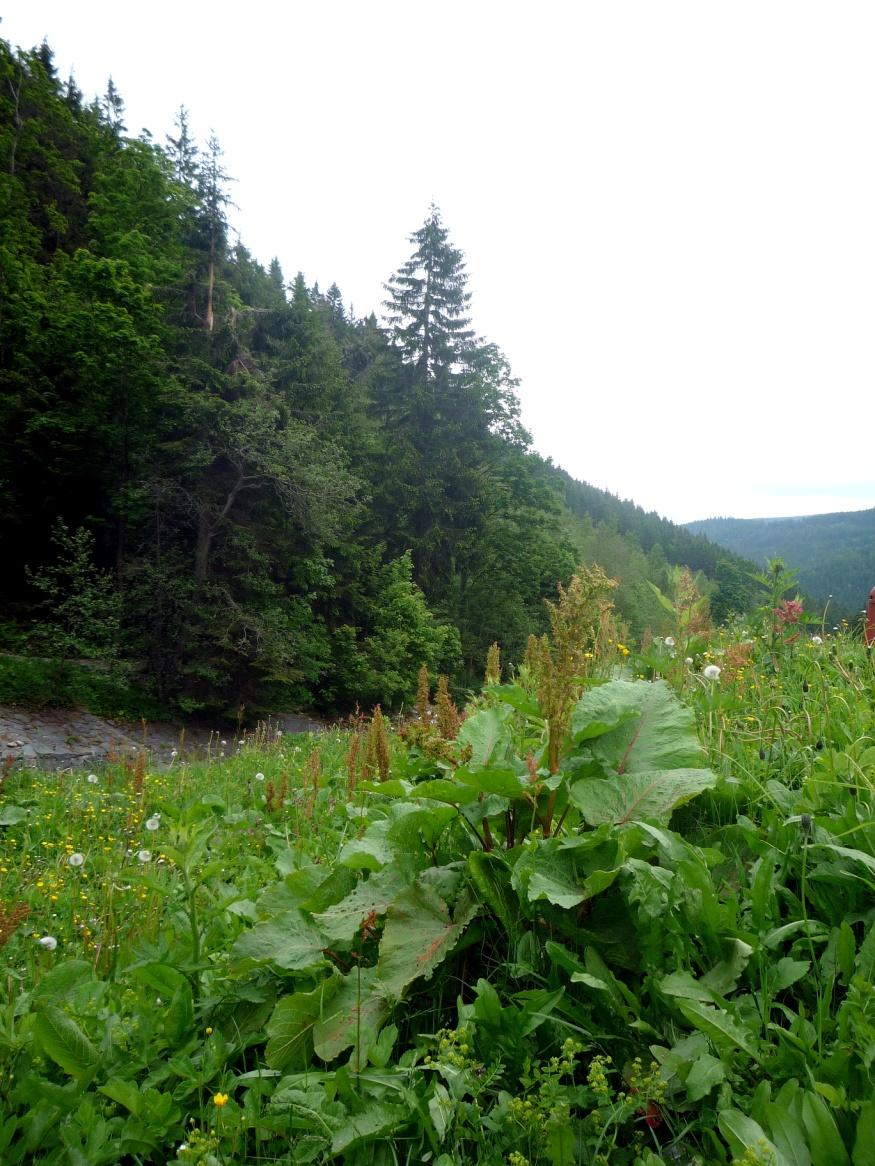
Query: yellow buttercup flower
(220, 1099)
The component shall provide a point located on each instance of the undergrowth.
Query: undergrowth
(619, 909)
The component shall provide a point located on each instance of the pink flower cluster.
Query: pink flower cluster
(788, 611)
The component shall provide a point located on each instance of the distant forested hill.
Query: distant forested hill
(225, 481)
(834, 554)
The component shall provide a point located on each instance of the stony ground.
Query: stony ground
(70, 738)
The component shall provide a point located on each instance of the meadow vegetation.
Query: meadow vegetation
(618, 909)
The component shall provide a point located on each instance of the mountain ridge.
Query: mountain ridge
(833, 554)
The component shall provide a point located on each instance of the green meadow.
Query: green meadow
(617, 909)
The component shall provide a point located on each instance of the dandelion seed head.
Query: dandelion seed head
(76, 859)
(153, 823)
(92, 779)
(711, 672)
(48, 942)
(144, 855)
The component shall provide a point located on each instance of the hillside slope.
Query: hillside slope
(834, 554)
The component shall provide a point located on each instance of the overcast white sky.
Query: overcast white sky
(667, 208)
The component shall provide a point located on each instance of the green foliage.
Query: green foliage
(35, 682)
(84, 603)
(832, 553)
(250, 459)
(268, 956)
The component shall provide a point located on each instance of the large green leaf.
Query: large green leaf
(124, 1093)
(551, 876)
(655, 731)
(719, 1026)
(560, 874)
(650, 795)
(64, 1042)
(352, 1018)
(604, 708)
(864, 1141)
(824, 1140)
(371, 851)
(418, 935)
(788, 1133)
(517, 698)
(743, 1133)
(489, 873)
(501, 780)
(488, 735)
(289, 940)
(341, 921)
(442, 789)
(373, 1124)
(290, 1028)
(706, 1072)
(60, 981)
(866, 955)
(860, 856)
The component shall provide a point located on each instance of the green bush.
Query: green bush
(68, 684)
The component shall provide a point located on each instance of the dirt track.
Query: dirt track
(72, 739)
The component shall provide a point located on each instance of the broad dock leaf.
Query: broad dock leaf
(418, 935)
(650, 795)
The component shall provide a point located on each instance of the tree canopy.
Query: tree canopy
(248, 495)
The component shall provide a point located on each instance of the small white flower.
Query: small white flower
(711, 672)
(669, 641)
(259, 777)
(76, 859)
(816, 640)
(48, 942)
(154, 822)
(92, 779)
(144, 855)
(173, 752)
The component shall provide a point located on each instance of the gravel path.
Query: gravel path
(72, 739)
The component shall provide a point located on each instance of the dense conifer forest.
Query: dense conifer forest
(834, 554)
(219, 478)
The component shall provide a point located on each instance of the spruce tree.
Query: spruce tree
(428, 304)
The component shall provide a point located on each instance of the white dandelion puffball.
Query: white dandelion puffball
(48, 942)
(688, 661)
(92, 779)
(259, 777)
(153, 823)
(669, 641)
(711, 672)
(76, 859)
(816, 640)
(144, 855)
